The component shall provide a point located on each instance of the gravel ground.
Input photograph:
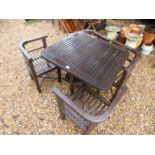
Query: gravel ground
(24, 111)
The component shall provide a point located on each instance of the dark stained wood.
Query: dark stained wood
(37, 67)
(136, 52)
(86, 108)
(92, 60)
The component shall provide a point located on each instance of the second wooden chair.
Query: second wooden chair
(37, 67)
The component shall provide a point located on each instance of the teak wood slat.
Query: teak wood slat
(92, 60)
(85, 107)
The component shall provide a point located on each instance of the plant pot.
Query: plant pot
(147, 48)
(149, 34)
(148, 37)
(124, 31)
(136, 29)
(112, 32)
(133, 40)
(143, 27)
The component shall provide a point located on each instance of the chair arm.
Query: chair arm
(34, 39)
(91, 118)
(109, 110)
(23, 43)
(133, 62)
(25, 52)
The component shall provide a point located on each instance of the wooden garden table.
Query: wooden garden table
(92, 60)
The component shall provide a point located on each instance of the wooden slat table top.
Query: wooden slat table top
(90, 59)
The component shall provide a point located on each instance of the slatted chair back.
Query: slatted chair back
(86, 108)
(28, 60)
(26, 53)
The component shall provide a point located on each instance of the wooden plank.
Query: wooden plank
(92, 60)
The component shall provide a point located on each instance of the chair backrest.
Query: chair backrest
(120, 82)
(85, 107)
(27, 58)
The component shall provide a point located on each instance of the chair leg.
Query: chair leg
(62, 116)
(98, 91)
(37, 84)
(31, 76)
(71, 85)
(92, 126)
(59, 75)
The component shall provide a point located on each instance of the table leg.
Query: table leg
(71, 85)
(98, 91)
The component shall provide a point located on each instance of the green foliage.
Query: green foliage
(31, 21)
(108, 23)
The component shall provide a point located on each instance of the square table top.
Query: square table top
(92, 60)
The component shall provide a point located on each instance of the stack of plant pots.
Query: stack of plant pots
(132, 35)
(149, 37)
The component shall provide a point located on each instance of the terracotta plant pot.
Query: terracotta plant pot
(149, 34)
(148, 37)
(123, 33)
(136, 29)
(125, 30)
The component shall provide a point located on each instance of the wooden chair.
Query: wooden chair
(37, 67)
(86, 108)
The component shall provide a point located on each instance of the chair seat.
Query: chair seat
(89, 102)
(42, 66)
